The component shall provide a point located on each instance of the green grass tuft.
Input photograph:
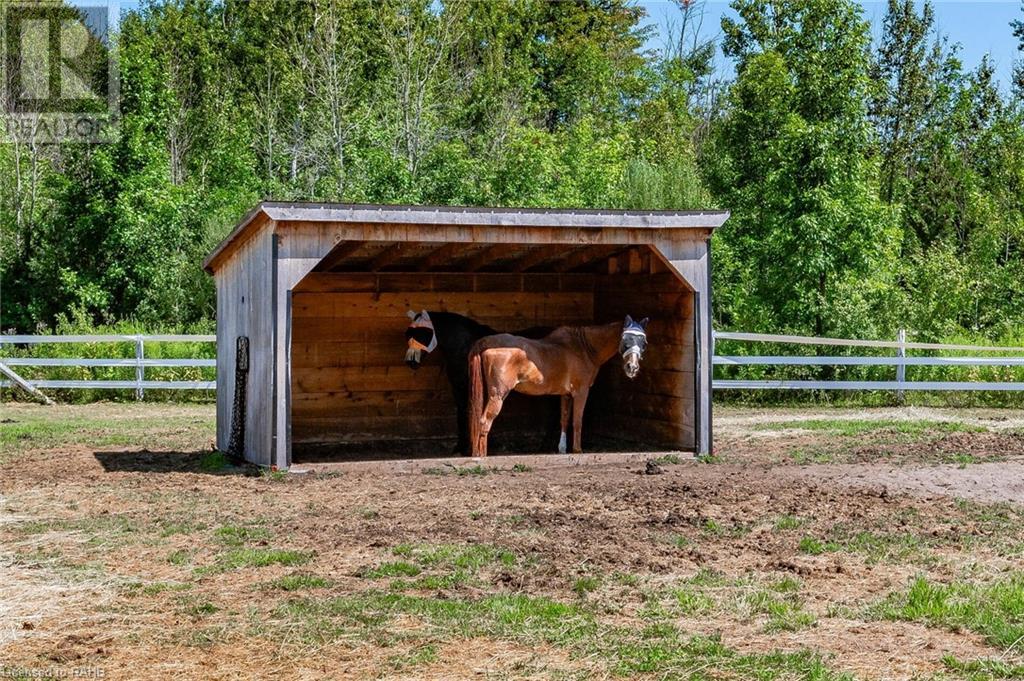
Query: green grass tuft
(257, 558)
(298, 582)
(816, 547)
(213, 462)
(788, 522)
(472, 470)
(983, 670)
(392, 569)
(584, 585)
(237, 535)
(993, 610)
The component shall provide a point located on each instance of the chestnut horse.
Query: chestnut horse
(565, 363)
(453, 335)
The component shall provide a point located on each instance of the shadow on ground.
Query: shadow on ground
(146, 461)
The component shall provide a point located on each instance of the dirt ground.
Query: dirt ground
(816, 544)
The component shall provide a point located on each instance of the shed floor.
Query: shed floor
(460, 464)
(502, 445)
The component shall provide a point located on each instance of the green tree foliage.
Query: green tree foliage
(810, 237)
(868, 189)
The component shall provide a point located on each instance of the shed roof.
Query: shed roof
(284, 212)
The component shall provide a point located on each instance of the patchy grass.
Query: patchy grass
(467, 556)
(983, 670)
(27, 427)
(392, 569)
(271, 475)
(438, 567)
(891, 547)
(521, 468)
(256, 558)
(472, 470)
(857, 427)
(784, 611)
(693, 602)
(668, 460)
(422, 655)
(659, 648)
(236, 535)
(197, 607)
(807, 456)
(298, 582)
(586, 584)
(154, 588)
(993, 610)
(788, 522)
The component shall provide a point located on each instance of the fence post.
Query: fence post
(140, 370)
(901, 368)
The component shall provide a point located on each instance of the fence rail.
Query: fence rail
(139, 362)
(900, 361)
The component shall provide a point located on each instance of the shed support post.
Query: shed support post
(691, 260)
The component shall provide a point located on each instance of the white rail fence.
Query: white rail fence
(139, 362)
(900, 361)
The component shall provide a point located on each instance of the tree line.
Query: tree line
(873, 184)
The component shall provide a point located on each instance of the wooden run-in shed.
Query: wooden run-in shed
(321, 293)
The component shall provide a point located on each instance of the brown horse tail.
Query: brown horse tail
(476, 398)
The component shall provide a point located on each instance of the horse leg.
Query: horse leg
(566, 402)
(579, 401)
(491, 411)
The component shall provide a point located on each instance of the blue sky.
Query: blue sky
(980, 27)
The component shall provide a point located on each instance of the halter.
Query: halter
(634, 349)
(422, 321)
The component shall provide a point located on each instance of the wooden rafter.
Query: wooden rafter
(338, 254)
(538, 256)
(584, 256)
(390, 255)
(440, 256)
(488, 255)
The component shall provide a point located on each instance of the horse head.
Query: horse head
(632, 345)
(420, 336)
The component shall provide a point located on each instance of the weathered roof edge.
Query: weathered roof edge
(470, 215)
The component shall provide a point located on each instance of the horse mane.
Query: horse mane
(580, 336)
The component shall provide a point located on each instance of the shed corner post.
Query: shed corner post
(294, 256)
(281, 451)
(690, 256)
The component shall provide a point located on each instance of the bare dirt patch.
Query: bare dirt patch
(576, 572)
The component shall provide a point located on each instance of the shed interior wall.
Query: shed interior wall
(350, 387)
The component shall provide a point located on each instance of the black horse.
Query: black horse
(454, 335)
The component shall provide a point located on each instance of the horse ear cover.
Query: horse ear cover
(411, 314)
(629, 320)
(643, 323)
